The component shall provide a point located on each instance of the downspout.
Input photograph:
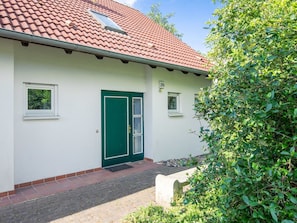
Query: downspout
(90, 50)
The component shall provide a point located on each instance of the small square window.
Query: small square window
(40, 101)
(174, 107)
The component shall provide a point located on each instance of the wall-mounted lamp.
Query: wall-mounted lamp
(161, 85)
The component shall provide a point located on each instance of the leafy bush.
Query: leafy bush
(157, 214)
(251, 173)
(252, 111)
(149, 214)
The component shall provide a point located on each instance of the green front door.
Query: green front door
(122, 127)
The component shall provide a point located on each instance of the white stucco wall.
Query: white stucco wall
(46, 148)
(6, 116)
(37, 149)
(173, 137)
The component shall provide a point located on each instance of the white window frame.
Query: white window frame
(140, 134)
(41, 113)
(178, 110)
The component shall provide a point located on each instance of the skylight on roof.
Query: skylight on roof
(107, 22)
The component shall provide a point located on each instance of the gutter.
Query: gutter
(10, 34)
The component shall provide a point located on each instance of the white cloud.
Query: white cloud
(127, 2)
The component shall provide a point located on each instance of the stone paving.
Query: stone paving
(114, 211)
(81, 204)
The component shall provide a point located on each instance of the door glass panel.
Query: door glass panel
(137, 125)
(137, 106)
(137, 147)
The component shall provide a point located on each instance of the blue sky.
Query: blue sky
(189, 17)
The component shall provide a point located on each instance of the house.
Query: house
(87, 84)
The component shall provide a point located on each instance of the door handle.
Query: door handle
(129, 129)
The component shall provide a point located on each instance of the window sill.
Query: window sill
(41, 117)
(175, 114)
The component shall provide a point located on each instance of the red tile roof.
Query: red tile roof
(69, 21)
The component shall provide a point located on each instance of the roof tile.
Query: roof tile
(10, 10)
(5, 21)
(42, 30)
(15, 23)
(37, 22)
(49, 31)
(24, 25)
(57, 33)
(45, 24)
(145, 39)
(36, 33)
(33, 27)
(14, 5)
(21, 18)
(8, 26)
(30, 20)
(27, 14)
(33, 16)
(64, 34)
(53, 26)
(23, 8)
(18, 29)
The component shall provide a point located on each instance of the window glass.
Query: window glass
(108, 23)
(39, 99)
(172, 102)
(137, 147)
(174, 105)
(137, 106)
(137, 125)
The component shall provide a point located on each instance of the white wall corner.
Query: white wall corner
(148, 106)
(6, 116)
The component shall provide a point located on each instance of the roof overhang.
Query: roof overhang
(29, 38)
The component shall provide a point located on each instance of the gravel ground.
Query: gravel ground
(183, 162)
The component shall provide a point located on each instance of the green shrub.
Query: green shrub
(252, 111)
(150, 214)
(250, 173)
(157, 214)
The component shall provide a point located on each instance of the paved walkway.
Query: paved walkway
(101, 196)
(113, 211)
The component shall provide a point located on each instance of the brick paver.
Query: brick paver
(114, 211)
(73, 201)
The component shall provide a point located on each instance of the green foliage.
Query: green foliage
(157, 214)
(162, 20)
(192, 161)
(251, 108)
(250, 173)
(39, 99)
(149, 214)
